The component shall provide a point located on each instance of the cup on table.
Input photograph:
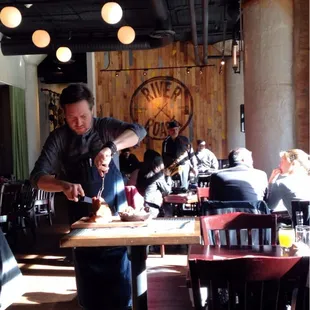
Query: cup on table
(299, 217)
(303, 234)
(286, 237)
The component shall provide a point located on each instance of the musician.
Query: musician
(173, 147)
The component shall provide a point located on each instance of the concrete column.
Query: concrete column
(301, 72)
(234, 98)
(268, 80)
(32, 107)
(91, 76)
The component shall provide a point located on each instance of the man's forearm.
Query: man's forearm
(48, 183)
(127, 139)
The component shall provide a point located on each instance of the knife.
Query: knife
(85, 199)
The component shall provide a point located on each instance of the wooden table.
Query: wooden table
(185, 230)
(199, 253)
(180, 200)
(224, 252)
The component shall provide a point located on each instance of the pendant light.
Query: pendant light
(63, 54)
(41, 38)
(126, 34)
(10, 17)
(111, 12)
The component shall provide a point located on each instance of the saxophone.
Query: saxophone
(175, 167)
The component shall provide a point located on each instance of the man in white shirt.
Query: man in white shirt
(206, 159)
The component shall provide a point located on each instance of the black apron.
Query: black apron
(103, 274)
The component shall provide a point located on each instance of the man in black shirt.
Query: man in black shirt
(128, 162)
(79, 154)
(173, 149)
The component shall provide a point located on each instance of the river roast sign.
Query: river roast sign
(158, 101)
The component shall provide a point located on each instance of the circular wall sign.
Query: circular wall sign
(158, 101)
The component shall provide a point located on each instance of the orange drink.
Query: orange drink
(286, 237)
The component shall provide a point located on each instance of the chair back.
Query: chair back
(26, 198)
(134, 198)
(203, 193)
(251, 282)
(213, 207)
(238, 228)
(301, 206)
(9, 195)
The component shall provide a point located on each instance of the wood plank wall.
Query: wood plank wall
(207, 89)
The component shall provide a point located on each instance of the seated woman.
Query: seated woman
(151, 182)
(290, 181)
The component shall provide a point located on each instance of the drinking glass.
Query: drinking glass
(286, 237)
(299, 218)
(303, 234)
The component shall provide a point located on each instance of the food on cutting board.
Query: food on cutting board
(101, 212)
(131, 214)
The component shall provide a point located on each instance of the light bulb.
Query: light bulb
(41, 38)
(10, 17)
(223, 62)
(126, 34)
(111, 12)
(63, 54)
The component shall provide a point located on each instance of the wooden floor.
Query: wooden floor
(50, 282)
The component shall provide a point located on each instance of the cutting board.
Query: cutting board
(116, 222)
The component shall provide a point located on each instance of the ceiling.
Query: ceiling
(78, 25)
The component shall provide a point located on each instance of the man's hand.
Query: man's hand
(73, 191)
(102, 161)
(274, 174)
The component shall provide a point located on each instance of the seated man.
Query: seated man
(128, 162)
(239, 182)
(207, 161)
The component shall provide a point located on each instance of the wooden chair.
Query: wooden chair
(213, 207)
(43, 206)
(237, 221)
(8, 198)
(202, 195)
(135, 200)
(251, 282)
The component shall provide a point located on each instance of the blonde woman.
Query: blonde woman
(290, 181)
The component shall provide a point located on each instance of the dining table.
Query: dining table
(181, 203)
(295, 255)
(136, 236)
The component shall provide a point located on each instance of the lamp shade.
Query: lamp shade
(111, 12)
(41, 38)
(63, 54)
(126, 34)
(10, 17)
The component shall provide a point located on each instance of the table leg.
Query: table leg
(138, 255)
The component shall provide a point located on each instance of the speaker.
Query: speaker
(242, 128)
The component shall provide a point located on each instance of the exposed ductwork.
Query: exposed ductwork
(162, 36)
(11, 47)
(205, 17)
(194, 31)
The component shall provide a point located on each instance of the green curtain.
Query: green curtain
(19, 133)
